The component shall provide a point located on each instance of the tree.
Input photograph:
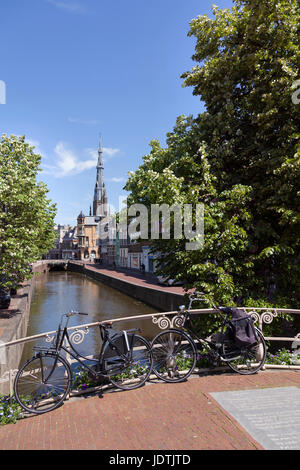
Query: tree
(241, 157)
(26, 215)
(249, 59)
(181, 174)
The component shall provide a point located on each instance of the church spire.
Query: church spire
(100, 197)
(100, 156)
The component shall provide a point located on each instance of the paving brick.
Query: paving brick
(158, 416)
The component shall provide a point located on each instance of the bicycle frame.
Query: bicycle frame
(39, 389)
(192, 332)
(76, 355)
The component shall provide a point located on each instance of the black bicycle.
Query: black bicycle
(45, 380)
(175, 352)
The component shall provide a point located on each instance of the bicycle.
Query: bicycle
(175, 351)
(45, 380)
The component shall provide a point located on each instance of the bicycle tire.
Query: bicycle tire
(136, 371)
(251, 359)
(174, 355)
(35, 391)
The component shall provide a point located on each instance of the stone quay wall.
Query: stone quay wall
(159, 297)
(13, 326)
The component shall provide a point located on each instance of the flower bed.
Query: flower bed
(283, 357)
(10, 410)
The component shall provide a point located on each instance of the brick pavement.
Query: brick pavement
(158, 416)
(134, 277)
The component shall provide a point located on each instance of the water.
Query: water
(58, 292)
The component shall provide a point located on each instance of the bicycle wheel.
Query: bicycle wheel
(134, 368)
(248, 360)
(174, 355)
(42, 383)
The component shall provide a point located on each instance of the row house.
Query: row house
(66, 243)
(88, 242)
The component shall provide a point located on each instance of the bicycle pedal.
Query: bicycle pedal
(214, 358)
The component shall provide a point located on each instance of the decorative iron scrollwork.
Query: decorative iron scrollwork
(164, 322)
(266, 316)
(77, 336)
(50, 339)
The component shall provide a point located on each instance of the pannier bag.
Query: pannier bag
(115, 349)
(119, 344)
(242, 328)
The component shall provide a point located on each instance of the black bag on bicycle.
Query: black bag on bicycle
(242, 328)
(117, 344)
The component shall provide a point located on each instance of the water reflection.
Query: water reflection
(56, 293)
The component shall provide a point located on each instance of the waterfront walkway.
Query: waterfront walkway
(135, 277)
(158, 416)
(141, 286)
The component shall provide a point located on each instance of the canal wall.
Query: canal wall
(13, 326)
(163, 299)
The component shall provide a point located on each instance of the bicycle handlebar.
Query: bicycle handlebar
(197, 296)
(72, 313)
(194, 296)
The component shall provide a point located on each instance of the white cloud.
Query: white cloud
(67, 6)
(107, 152)
(68, 163)
(117, 180)
(110, 152)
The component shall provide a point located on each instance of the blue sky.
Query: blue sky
(75, 69)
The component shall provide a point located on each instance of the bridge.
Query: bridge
(154, 416)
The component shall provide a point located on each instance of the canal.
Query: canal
(58, 292)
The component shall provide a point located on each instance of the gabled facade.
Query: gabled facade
(87, 235)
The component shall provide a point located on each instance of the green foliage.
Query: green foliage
(283, 357)
(26, 215)
(240, 158)
(83, 380)
(10, 410)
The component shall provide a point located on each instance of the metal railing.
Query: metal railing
(163, 321)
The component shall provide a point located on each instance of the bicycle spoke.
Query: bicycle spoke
(32, 389)
(174, 356)
(250, 360)
(135, 370)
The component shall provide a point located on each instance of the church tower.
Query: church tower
(100, 204)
